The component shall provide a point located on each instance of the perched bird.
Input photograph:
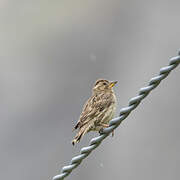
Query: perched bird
(98, 110)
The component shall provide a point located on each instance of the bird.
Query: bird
(98, 110)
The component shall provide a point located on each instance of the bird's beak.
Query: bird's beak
(112, 84)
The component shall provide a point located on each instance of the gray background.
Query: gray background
(51, 52)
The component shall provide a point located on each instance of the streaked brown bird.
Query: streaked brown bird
(98, 110)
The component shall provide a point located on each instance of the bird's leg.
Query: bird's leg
(105, 126)
(112, 133)
(100, 131)
(102, 125)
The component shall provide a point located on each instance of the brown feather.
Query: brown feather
(94, 111)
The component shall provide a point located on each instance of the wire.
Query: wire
(114, 123)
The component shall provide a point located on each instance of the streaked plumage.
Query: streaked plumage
(98, 110)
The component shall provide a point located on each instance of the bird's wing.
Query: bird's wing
(93, 107)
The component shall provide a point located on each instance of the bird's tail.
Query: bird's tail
(79, 135)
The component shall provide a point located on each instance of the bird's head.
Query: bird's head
(103, 85)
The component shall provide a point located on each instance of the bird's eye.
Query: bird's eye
(104, 84)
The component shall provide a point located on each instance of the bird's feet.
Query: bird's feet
(112, 133)
(105, 126)
(101, 131)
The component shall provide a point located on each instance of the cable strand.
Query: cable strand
(114, 123)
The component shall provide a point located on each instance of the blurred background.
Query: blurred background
(51, 53)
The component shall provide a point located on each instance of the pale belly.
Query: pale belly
(107, 117)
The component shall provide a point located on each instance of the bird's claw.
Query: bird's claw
(101, 131)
